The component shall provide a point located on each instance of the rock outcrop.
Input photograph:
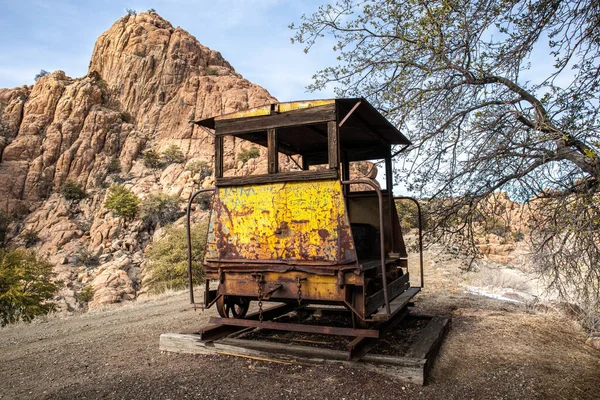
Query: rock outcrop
(146, 82)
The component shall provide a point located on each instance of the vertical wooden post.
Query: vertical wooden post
(345, 172)
(333, 144)
(218, 156)
(273, 151)
(304, 163)
(389, 183)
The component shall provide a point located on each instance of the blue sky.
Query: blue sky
(253, 35)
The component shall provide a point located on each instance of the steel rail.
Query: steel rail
(420, 216)
(381, 236)
(189, 239)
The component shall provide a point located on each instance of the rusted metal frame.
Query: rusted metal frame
(273, 153)
(396, 288)
(389, 182)
(360, 346)
(381, 235)
(214, 332)
(189, 239)
(333, 144)
(293, 176)
(358, 103)
(218, 157)
(420, 216)
(284, 326)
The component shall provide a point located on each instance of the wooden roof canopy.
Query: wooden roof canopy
(364, 133)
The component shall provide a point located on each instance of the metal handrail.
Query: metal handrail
(189, 238)
(420, 229)
(381, 235)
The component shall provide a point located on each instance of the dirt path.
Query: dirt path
(493, 351)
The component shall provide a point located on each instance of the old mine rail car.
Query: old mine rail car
(304, 237)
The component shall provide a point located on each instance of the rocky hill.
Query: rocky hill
(146, 81)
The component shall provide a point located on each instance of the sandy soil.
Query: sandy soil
(495, 350)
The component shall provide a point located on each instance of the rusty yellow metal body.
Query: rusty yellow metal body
(284, 223)
(293, 232)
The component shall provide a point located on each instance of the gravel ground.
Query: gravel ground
(494, 351)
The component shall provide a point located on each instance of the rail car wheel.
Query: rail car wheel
(232, 306)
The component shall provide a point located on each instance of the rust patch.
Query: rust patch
(324, 234)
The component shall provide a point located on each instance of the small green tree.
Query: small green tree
(4, 222)
(86, 294)
(201, 168)
(122, 201)
(151, 159)
(160, 209)
(114, 166)
(247, 155)
(26, 286)
(167, 257)
(211, 71)
(42, 73)
(72, 191)
(173, 155)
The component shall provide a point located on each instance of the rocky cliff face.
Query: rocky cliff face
(146, 82)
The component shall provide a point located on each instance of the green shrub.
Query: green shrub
(160, 209)
(114, 166)
(204, 200)
(30, 238)
(42, 73)
(201, 168)
(168, 259)
(86, 294)
(122, 201)
(4, 222)
(26, 286)
(87, 259)
(126, 117)
(72, 191)
(211, 71)
(152, 159)
(173, 155)
(246, 155)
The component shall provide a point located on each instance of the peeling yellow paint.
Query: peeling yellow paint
(289, 221)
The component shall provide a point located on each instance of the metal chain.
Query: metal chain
(259, 280)
(298, 280)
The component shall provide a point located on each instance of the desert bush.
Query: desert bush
(122, 201)
(86, 294)
(173, 155)
(87, 259)
(168, 259)
(30, 238)
(26, 286)
(4, 222)
(246, 155)
(72, 191)
(204, 200)
(211, 71)
(42, 72)
(126, 117)
(160, 209)
(151, 159)
(201, 168)
(114, 166)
